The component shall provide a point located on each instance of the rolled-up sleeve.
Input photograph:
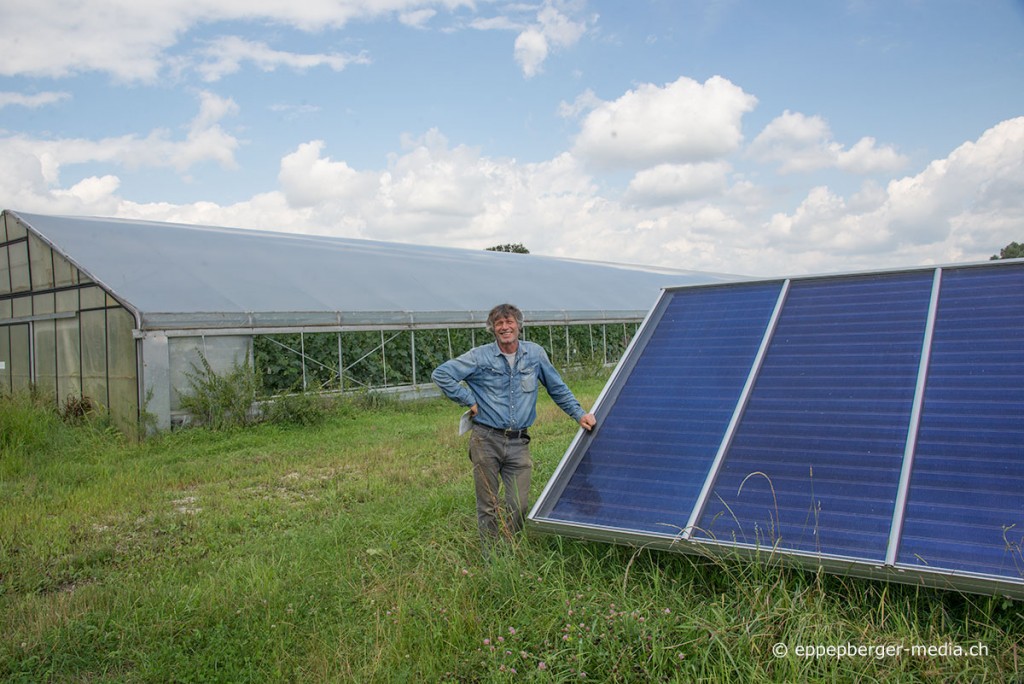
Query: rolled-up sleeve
(449, 376)
(557, 389)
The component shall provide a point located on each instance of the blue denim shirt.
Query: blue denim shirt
(506, 398)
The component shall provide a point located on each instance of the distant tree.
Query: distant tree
(1014, 250)
(516, 248)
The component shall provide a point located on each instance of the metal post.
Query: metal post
(341, 366)
(412, 349)
(383, 357)
(302, 351)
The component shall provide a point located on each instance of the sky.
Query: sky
(734, 136)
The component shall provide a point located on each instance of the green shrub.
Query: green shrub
(221, 401)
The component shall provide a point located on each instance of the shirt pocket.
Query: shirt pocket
(528, 380)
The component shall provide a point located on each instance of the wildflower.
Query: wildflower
(487, 642)
(542, 665)
(668, 611)
(511, 630)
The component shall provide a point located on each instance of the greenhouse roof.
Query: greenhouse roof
(177, 276)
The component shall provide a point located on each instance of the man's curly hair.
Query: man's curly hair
(502, 311)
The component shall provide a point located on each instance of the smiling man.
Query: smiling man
(501, 380)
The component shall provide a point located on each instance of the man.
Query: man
(501, 392)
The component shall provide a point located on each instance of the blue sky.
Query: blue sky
(766, 138)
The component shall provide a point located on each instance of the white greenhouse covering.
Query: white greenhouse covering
(182, 276)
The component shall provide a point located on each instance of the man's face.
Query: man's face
(506, 330)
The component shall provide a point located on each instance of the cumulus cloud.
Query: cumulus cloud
(966, 204)
(800, 143)
(671, 183)
(682, 122)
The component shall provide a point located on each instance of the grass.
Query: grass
(347, 551)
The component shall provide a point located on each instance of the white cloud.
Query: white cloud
(673, 183)
(682, 122)
(129, 39)
(225, 56)
(307, 179)
(417, 18)
(800, 143)
(964, 206)
(531, 49)
(33, 101)
(584, 102)
(35, 165)
(552, 30)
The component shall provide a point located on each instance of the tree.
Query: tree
(1014, 250)
(516, 248)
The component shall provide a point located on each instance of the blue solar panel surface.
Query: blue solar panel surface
(815, 463)
(648, 461)
(965, 508)
(883, 428)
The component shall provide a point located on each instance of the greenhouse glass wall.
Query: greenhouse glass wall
(124, 312)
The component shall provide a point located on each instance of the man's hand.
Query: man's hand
(473, 409)
(588, 422)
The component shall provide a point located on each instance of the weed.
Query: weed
(221, 400)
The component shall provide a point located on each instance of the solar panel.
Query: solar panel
(872, 424)
(965, 509)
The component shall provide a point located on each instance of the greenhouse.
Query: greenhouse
(124, 312)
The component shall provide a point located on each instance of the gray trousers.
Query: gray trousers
(498, 459)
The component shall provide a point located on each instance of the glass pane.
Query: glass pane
(18, 256)
(69, 359)
(63, 272)
(5, 309)
(94, 356)
(67, 300)
(121, 362)
(5, 272)
(92, 297)
(42, 263)
(21, 307)
(42, 304)
(14, 229)
(46, 357)
(21, 376)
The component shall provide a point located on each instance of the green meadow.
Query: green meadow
(345, 550)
